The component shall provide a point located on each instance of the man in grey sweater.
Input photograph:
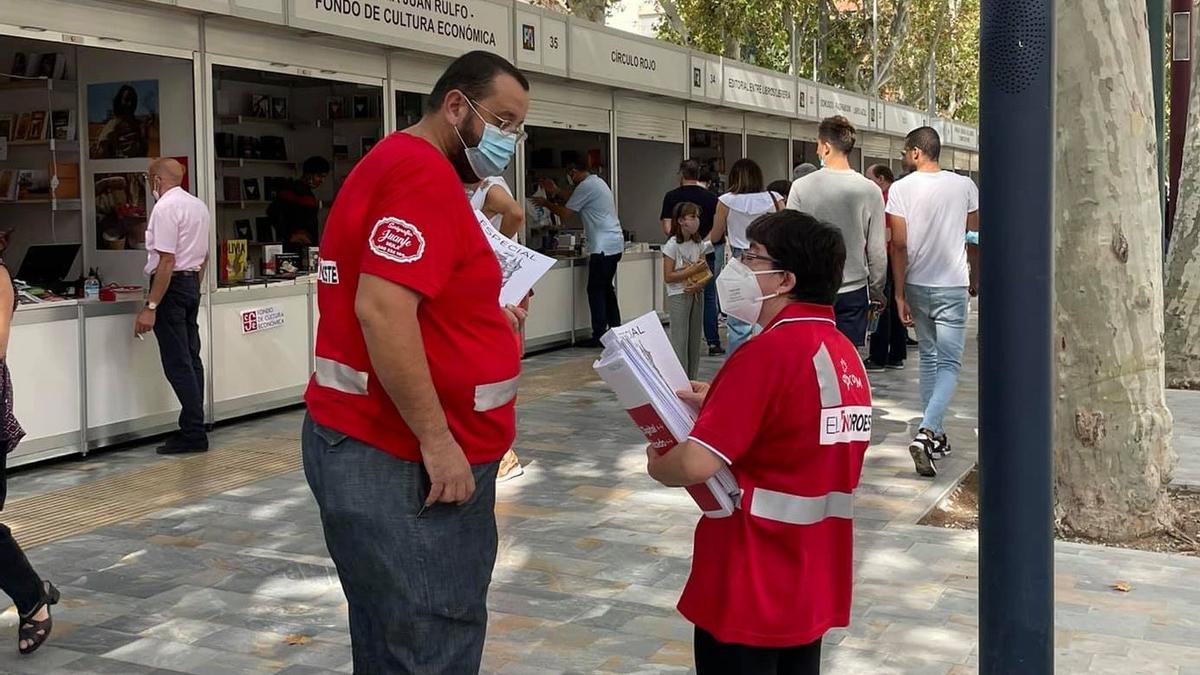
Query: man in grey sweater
(850, 202)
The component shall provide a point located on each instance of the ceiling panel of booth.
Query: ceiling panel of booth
(755, 89)
(662, 107)
(263, 10)
(143, 24)
(448, 27)
(851, 106)
(771, 127)
(804, 131)
(568, 93)
(563, 116)
(282, 47)
(541, 41)
(606, 56)
(650, 128)
(875, 145)
(714, 119)
(211, 6)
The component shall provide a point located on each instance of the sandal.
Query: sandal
(34, 632)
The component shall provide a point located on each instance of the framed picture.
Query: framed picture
(528, 38)
(335, 107)
(279, 108)
(362, 107)
(260, 106)
(121, 210)
(123, 119)
(366, 143)
(252, 189)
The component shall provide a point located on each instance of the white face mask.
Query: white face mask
(739, 293)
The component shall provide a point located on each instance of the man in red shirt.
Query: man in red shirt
(790, 414)
(412, 403)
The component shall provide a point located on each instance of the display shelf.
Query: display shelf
(54, 145)
(247, 119)
(56, 204)
(68, 86)
(246, 161)
(243, 204)
(330, 122)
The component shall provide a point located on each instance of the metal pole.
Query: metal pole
(875, 48)
(1016, 405)
(1181, 84)
(1156, 21)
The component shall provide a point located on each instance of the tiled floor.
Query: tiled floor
(592, 557)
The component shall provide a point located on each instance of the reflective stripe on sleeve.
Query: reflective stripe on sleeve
(339, 376)
(797, 510)
(492, 396)
(827, 378)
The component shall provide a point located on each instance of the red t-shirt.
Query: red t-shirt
(402, 215)
(791, 413)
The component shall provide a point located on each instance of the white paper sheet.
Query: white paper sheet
(520, 267)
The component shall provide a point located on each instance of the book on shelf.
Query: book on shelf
(62, 125)
(233, 256)
(37, 126)
(8, 185)
(6, 126)
(232, 188)
(33, 184)
(21, 130)
(242, 229)
(252, 190)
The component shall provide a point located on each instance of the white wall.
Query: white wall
(772, 155)
(646, 170)
(176, 130)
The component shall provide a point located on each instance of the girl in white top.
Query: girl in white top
(683, 270)
(746, 200)
(493, 198)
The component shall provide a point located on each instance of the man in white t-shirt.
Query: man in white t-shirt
(930, 212)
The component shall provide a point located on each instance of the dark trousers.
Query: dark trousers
(721, 658)
(17, 578)
(178, 335)
(888, 342)
(602, 295)
(851, 309)
(712, 333)
(416, 581)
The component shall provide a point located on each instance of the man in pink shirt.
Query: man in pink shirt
(177, 252)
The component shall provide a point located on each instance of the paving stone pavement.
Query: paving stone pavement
(592, 557)
(1185, 406)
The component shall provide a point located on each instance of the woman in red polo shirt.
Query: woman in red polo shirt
(790, 414)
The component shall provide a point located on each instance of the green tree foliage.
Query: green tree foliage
(833, 44)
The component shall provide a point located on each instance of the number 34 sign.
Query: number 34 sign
(260, 319)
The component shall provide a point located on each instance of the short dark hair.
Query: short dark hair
(745, 177)
(315, 166)
(689, 169)
(812, 250)
(882, 171)
(838, 132)
(925, 139)
(780, 187)
(474, 74)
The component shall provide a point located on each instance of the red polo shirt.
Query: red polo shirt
(791, 413)
(402, 216)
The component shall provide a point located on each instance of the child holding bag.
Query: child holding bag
(686, 273)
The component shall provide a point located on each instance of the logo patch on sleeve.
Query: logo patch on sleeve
(397, 240)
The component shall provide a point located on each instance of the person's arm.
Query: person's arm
(497, 201)
(900, 265)
(720, 223)
(877, 259)
(688, 463)
(674, 276)
(973, 252)
(158, 288)
(6, 315)
(559, 210)
(666, 226)
(387, 312)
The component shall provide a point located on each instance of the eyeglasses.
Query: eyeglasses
(507, 126)
(751, 257)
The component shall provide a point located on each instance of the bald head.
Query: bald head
(168, 171)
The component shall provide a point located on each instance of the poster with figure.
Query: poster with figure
(121, 211)
(520, 267)
(123, 119)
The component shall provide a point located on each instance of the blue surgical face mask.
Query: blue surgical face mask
(495, 149)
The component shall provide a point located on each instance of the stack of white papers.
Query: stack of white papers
(640, 366)
(520, 267)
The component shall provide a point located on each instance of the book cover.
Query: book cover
(233, 188)
(6, 126)
(260, 106)
(279, 108)
(362, 107)
(21, 131)
(233, 260)
(252, 190)
(8, 185)
(37, 126)
(62, 125)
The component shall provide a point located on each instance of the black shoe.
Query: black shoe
(910, 342)
(895, 365)
(941, 447)
(716, 350)
(181, 446)
(921, 450)
(590, 344)
(872, 366)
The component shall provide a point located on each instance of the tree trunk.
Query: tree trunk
(671, 11)
(896, 39)
(1113, 456)
(1183, 261)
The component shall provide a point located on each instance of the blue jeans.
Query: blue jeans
(712, 307)
(739, 331)
(941, 318)
(416, 582)
(851, 309)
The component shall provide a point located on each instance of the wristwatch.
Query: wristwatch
(150, 305)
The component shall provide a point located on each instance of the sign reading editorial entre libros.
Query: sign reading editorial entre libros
(601, 56)
(760, 90)
(446, 26)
